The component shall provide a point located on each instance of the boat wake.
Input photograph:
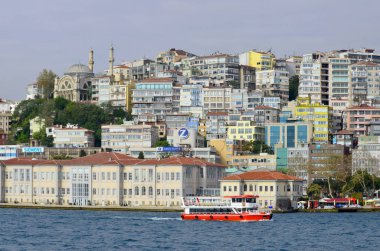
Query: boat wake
(164, 219)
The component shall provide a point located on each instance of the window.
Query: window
(261, 188)
(125, 176)
(94, 176)
(114, 176)
(229, 188)
(172, 176)
(143, 191)
(68, 191)
(103, 176)
(150, 191)
(266, 188)
(271, 188)
(245, 187)
(178, 175)
(94, 191)
(235, 188)
(136, 190)
(224, 188)
(250, 188)
(108, 176)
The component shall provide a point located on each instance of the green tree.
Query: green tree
(82, 153)
(257, 147)
(45, 83)
(141, 155)
(294, 82)
(162, 143)
(314, 191)
(42, 138)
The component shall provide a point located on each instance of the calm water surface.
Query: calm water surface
(29, 229)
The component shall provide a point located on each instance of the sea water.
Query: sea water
(37, 229)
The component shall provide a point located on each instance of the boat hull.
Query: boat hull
(227, 217)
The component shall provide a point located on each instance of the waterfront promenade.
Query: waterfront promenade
(159, 208)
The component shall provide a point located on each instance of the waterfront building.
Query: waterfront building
(224, 148)
(106, 179)
(71, 136)
(326, 159)
(119, 138)
(245, 130)
(356, 56)
(319, 114)
(357, 118)
(260, 60)
(367, 155)
(275, 189)
(288, 134)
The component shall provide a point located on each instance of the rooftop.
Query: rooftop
(261, 175)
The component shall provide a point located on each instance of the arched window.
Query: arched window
(143, 191)
(245, 188)
(150, 190)
(250, 188)
(136, 190)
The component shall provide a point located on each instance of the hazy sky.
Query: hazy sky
(49, 34)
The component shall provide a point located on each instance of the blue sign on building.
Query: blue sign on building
(32, 149)
(183, 133)
(169, 149)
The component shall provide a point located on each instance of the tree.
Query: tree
(82, 153)
(141, 155)
(257, 147)
(162, 143)
(42, 138)
(45, 83)
(314, 191)
(294, 82)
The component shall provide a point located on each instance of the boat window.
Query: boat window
(248, 200)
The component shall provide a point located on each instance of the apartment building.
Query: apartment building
(216, 125)
(120, 138)
(357, 118)
(71, 136)
(266, 114)
(218, 66)
(367, 155)
(314, 78)
(191, 100)
(274, 83)
(260, 60)
(217, 99)
(245, 130)
(153, 96)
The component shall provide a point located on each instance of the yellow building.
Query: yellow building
(224, 148)
(245, 130)
(130, 85)
(258, 59)
(274, 189)
(107, 179)
(321, 116)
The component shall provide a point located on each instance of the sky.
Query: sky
(45, 34)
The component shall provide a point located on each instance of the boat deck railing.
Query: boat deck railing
(206, 201)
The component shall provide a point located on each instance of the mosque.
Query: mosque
(75, 84)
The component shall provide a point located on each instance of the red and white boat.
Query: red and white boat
(233, 208)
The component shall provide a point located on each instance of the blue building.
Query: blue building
(288, 134)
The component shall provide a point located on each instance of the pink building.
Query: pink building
(357, 118)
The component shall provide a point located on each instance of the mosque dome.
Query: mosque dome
(78, 68)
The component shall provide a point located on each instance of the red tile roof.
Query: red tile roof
(29, 161)
(261, 175)
(342, 132)
(362, 106)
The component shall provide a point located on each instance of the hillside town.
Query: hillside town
(150, 131)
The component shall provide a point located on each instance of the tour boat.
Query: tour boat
(232, 208)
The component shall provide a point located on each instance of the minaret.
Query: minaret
(91, 61)
(110, 62)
